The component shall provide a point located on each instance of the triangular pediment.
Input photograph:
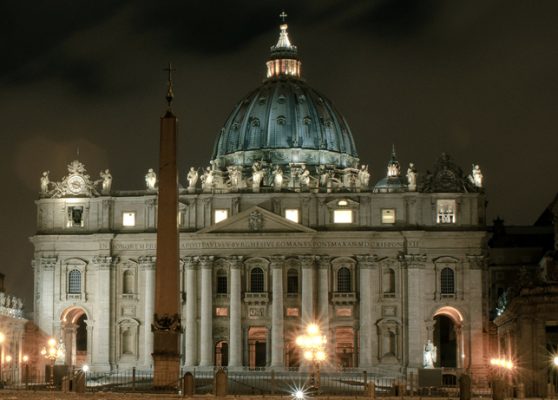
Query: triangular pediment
(256, 220)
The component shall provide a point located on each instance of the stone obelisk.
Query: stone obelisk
(166, 321)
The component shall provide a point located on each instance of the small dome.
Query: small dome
(285, 121)
(393, 182)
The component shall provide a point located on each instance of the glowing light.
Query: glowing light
(2, 337)
(25, 358)
(312, 329)
(85, 368)
(555, 361)
(299, 394)
(502, 363)
(52, 342)
(8, 358)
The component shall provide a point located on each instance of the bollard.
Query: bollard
(133, 379)
(520, 391)
(371, 390)
(272, 381)
(220, 388)
(498, 389)
(464, 387)
(188, 385)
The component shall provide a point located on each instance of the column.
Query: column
(414, 317)
(147, 268)
(324, 264)
(277, 317)
(100, 348)
(365, 312)
(307, 263)
(191, 328)
(235, 314)
(44, 305)
(206, 329)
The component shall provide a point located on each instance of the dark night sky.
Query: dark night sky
(476, 79)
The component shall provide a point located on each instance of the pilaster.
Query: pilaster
(277, 317)
(206, 329)
(191, 326)
(235, 312)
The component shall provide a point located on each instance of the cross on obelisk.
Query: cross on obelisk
(283, 16)
(166, 320)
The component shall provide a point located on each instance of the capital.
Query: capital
(189, 262)
(235, 262)
(306, 261)
(324, 262)
(277, 261)
(206, 262)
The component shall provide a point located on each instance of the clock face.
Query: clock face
(76, 184)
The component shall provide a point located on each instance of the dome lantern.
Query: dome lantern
(283, 60)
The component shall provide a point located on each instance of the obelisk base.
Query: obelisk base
(166, 360)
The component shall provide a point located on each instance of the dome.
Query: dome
(285, 121)
(393, 182)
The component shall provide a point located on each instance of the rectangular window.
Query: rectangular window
(220, 215)
(342, 216)
(221, 311)
(292, 214)
(75, 216)
(292, 312)
(344, 312)
(129, 218)
(446, 213)
(388, 216)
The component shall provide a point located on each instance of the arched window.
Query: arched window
(389, 281)
(257, 280)
(74, 282)
(447, 281)
(222, 282)
(292, 281)
(343, 280)
(128, 282)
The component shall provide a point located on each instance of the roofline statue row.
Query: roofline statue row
(295, 177)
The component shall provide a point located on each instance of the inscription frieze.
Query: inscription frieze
(269, 243)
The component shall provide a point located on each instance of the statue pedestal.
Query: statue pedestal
(166, 370)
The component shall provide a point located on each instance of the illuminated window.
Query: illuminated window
(220, 215)
(388, 216)
(221, 311)
(292, 312)
(445, 212)
(129, 218)
(74, 282)
(344, 312)
(342, 203)
(342, 216)
(292, 214)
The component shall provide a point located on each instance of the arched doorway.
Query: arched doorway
(257, 352)
(447, 337)
(74, 336)
(222, 354)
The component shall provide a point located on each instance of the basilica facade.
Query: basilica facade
(285, 226)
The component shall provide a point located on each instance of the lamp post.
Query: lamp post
(312, 345)
(25, 360)
(501, 368)
(2, 338)
(53, 352)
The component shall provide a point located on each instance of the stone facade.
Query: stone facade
(273, 234)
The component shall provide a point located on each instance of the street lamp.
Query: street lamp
(54, 351)
(25, 360)
(2, 339)
(312, 345)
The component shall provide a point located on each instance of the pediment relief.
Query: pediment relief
(445, 260)
(256, 220)
(343, 202)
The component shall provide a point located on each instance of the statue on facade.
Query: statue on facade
(2, 299)
(45, 182)
(14, 302)
(349, 177)
(150, 179)
(235, 177)
(323, 174)
(19, 304)
(192, 178)
(106, 181)
(304, 176)
(363, 176)
(476, 176)
(429, 355)
(257, 175)
(207, 179)
(277, 178)
(412, 177)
